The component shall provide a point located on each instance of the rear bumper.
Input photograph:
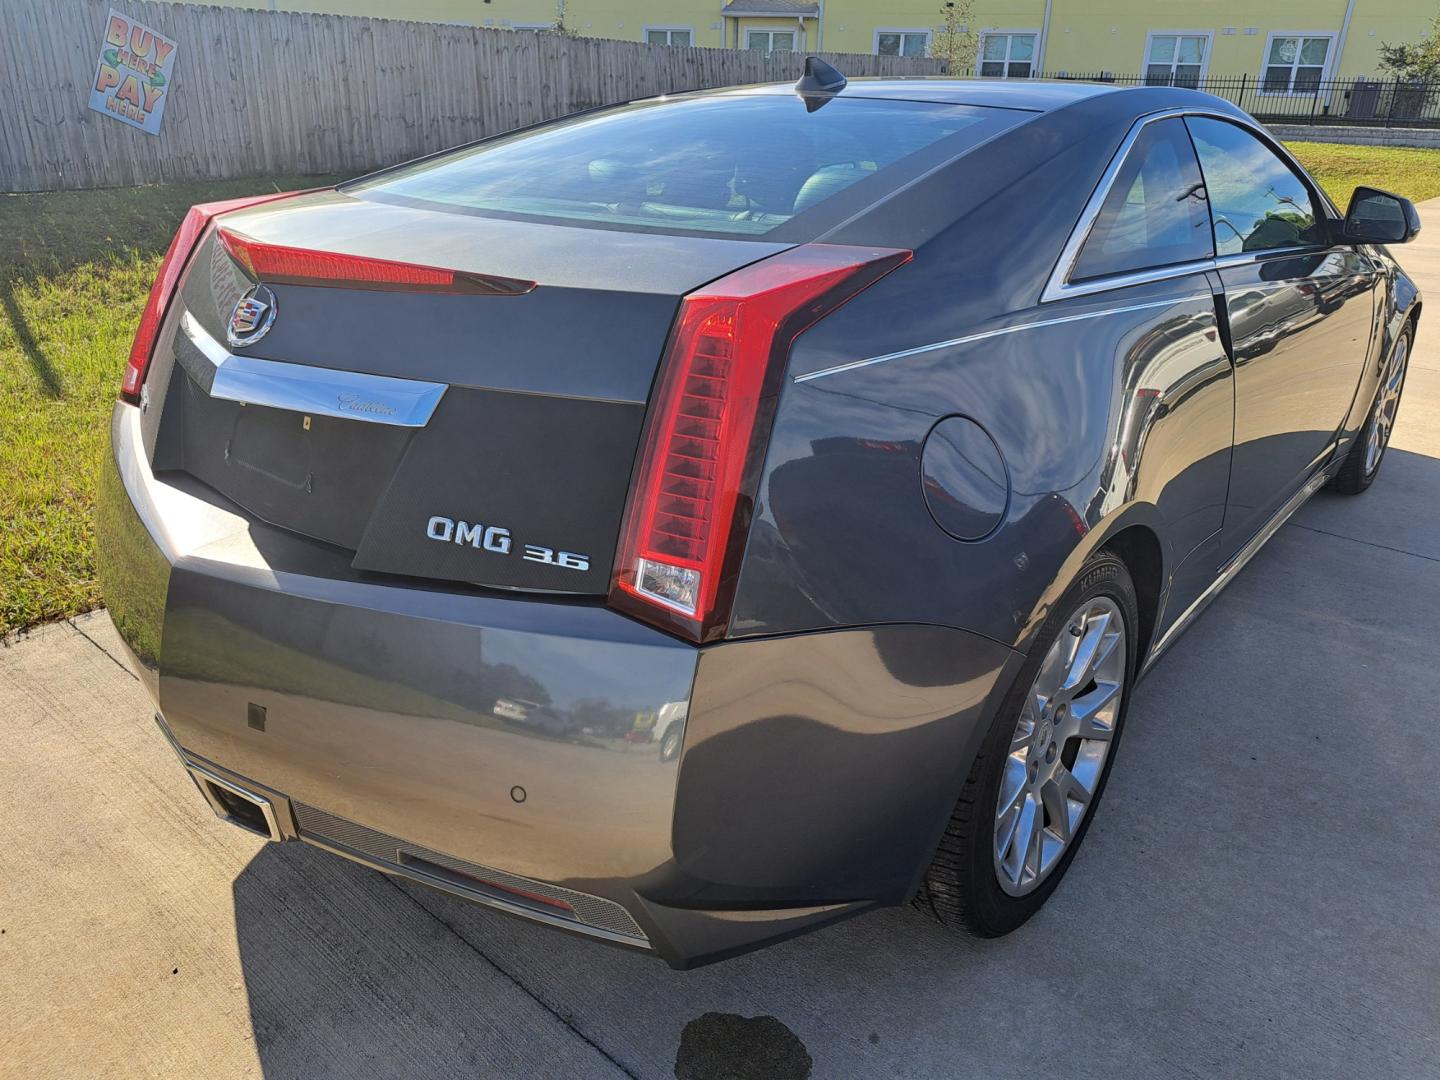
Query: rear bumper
(508, 749)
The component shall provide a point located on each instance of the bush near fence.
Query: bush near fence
(262, 92)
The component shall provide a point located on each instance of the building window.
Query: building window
(1295, 63)
(770, 40)
(667, 35)
(1176, 59)
(1008, 54)
(902, 42)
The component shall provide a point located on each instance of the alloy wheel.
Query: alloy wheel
(1387, 406)
(1060, 745)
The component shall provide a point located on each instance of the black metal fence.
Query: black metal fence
(1296, 99)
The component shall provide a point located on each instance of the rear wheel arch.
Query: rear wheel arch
(1138, 547)
(1135, 534)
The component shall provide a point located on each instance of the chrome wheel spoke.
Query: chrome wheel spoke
(1088, 653)
(1034, 849)
(1051, 676)
(1023, 842)
(1005, 832)
(1012, 783)
(1387, 407)
(1065, 800)
(1088, 764)
(1025, 729)
(1397, 373)
(1092, 714)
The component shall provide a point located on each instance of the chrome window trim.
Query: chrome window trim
(1059, 286)
(316, 391)
(998, 332)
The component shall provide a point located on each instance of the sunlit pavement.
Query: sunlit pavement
(1256, 898)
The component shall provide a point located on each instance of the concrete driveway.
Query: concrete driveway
(1258, 896)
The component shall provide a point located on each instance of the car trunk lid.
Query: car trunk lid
(482, 437)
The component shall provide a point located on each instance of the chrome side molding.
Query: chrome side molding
(1000, 331)
(1234, 566)
(316, 391)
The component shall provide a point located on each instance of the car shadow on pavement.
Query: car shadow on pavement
(344, 965)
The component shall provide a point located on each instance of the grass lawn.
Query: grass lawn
(1340, 169)
(74, 273)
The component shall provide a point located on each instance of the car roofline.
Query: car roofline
(1030, 95)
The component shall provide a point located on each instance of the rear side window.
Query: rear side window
(1258, 201)
(1155, 214)
(736, 164)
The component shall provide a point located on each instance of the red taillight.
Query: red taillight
(279, 264)
(166, 280)
(708, 420)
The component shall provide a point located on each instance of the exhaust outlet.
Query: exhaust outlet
(234, 804)
(250, 810)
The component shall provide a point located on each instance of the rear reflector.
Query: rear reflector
(167, 278)
(450, 873)
(690, 502)
(277, 264)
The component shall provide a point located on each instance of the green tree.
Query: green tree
(561, 27)
(1419, 61)
(956, 41)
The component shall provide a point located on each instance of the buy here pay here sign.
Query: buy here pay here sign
(133, 77)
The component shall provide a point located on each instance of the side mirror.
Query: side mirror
(1377, 217)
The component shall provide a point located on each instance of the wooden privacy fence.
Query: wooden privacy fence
(268, 92)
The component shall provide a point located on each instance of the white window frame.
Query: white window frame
(1002, 31)
(923, 30)
(1208, 35)
(1324, 70)
(645, 32)
(797, 38)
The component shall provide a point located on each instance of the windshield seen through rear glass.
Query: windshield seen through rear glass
(738, 165)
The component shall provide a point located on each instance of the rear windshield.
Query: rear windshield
(738, 165)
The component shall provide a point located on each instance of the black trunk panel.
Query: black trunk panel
(552, 472)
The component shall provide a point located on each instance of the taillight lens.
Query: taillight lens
(280, 264)
(709, 421)
(167, 279)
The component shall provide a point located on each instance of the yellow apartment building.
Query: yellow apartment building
(1284, 44)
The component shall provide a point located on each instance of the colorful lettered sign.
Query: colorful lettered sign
(132, 79)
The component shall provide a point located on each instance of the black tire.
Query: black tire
(1353, 477)
(961, 889)
(670, 742)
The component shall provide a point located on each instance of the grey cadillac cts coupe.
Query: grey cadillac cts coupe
(696, 521)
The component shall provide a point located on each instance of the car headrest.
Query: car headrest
(826, 181)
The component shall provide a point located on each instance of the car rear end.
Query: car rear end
(428, 496)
